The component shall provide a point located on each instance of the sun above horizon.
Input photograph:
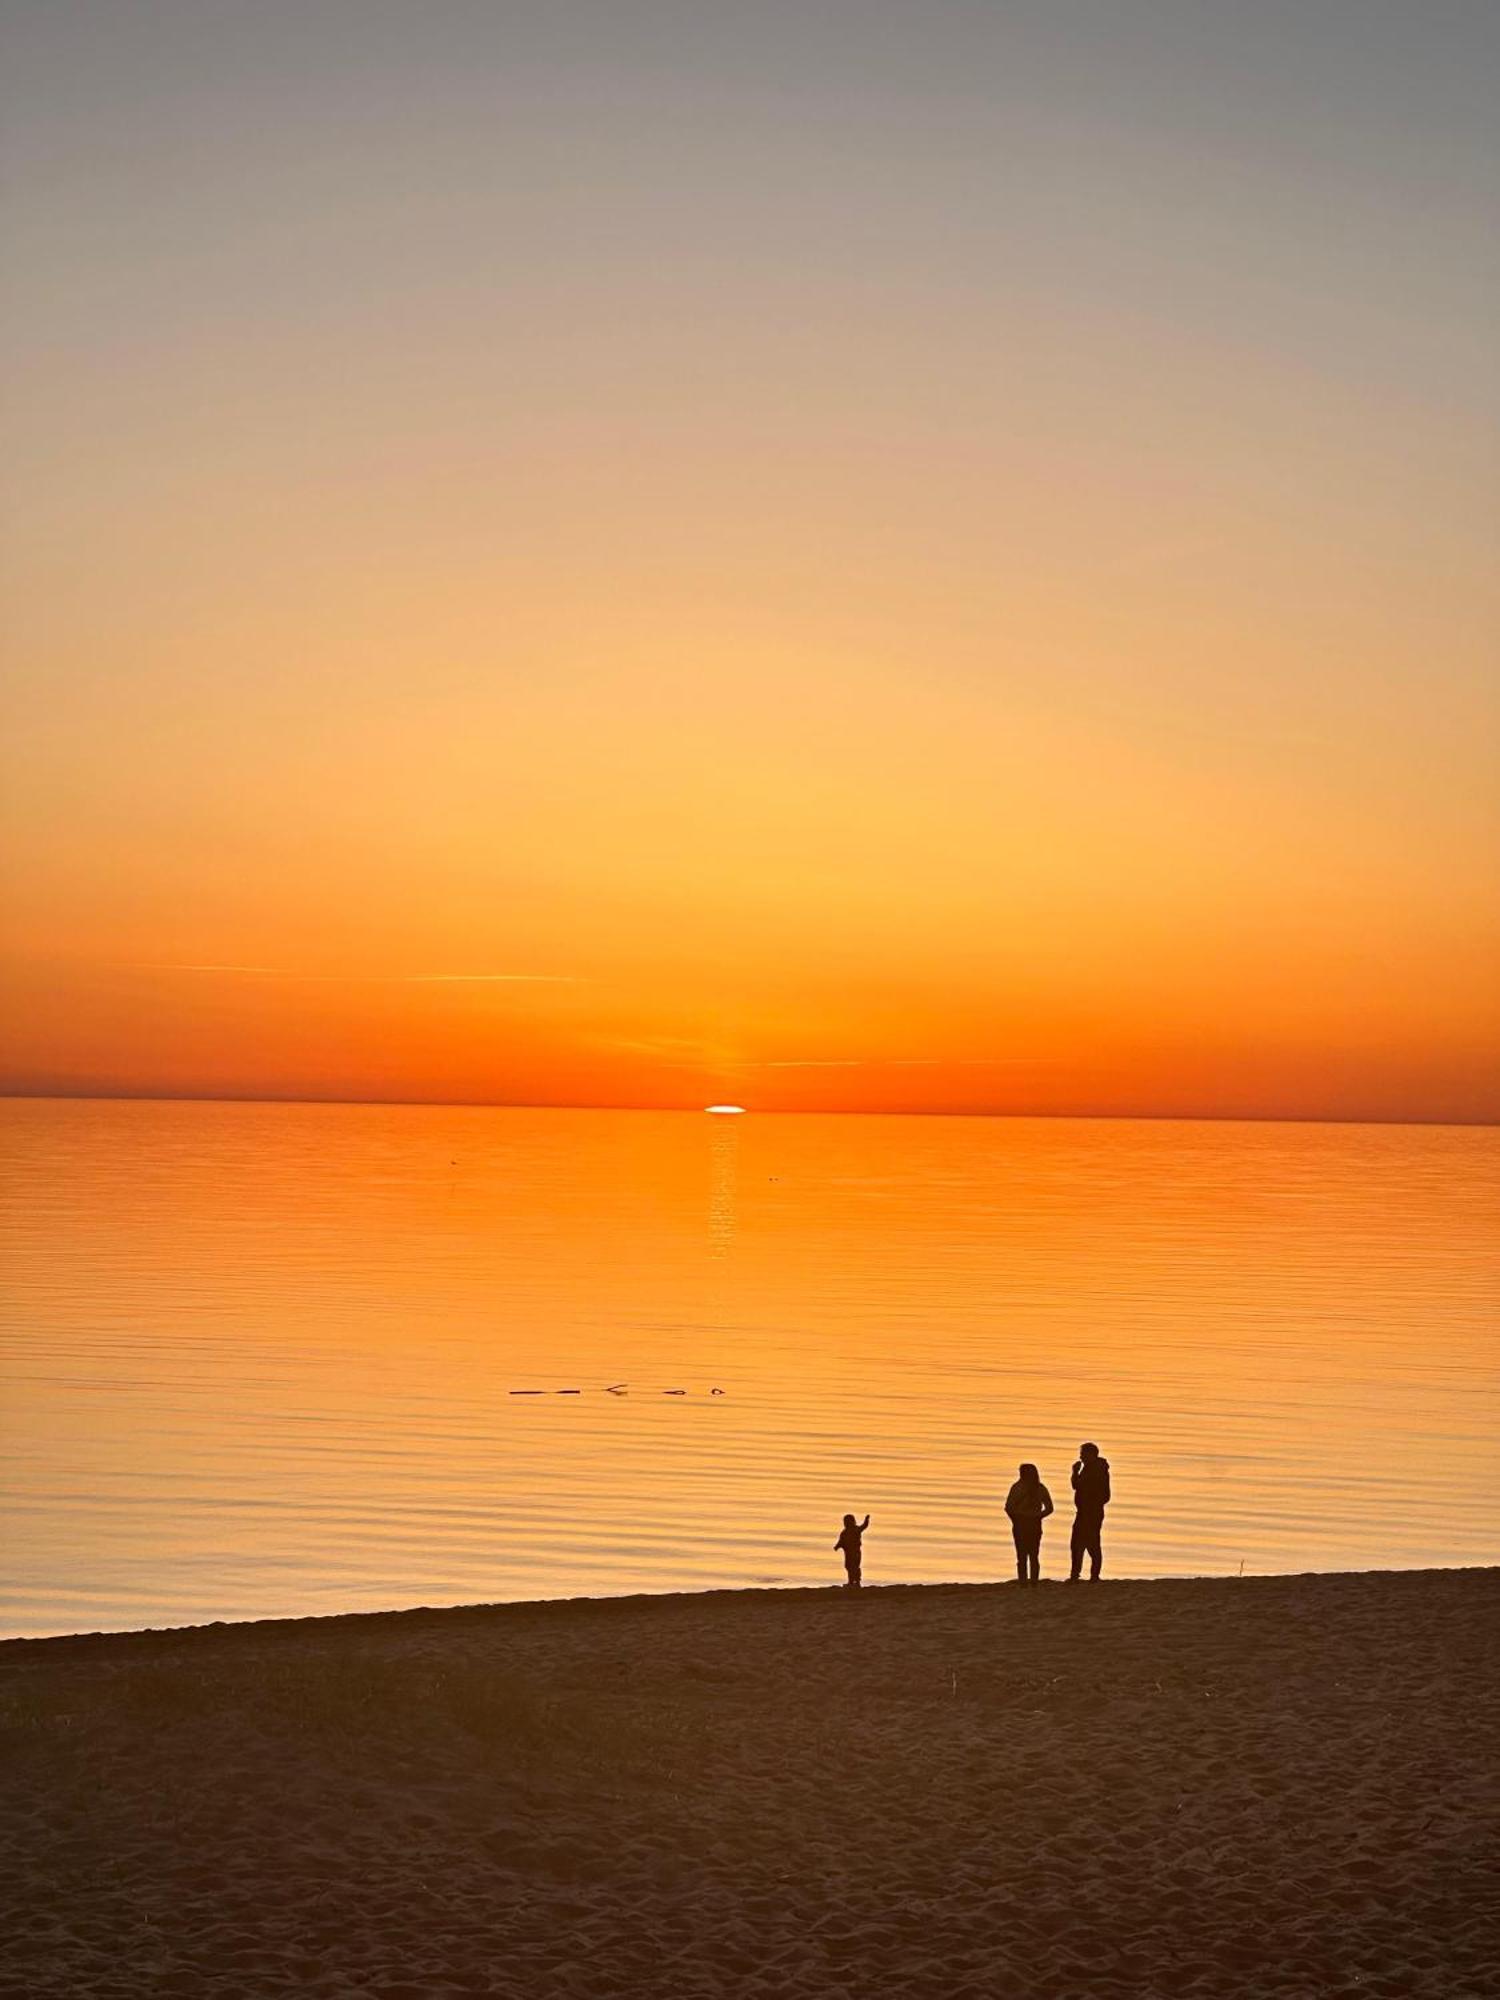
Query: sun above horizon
(726, 1110)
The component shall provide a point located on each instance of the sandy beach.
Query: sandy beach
(1269, 1786)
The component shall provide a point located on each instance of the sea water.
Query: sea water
(266, 1360)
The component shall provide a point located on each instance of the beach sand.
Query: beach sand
(1270, 1786)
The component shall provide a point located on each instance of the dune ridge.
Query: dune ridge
(1269, 1786)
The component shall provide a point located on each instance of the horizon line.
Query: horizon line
(10, 1094)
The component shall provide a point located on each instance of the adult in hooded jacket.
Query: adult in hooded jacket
(1090, 1498)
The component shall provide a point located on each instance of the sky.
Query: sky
(851, 555)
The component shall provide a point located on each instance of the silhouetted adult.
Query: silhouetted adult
(1090, 1498)
(1028, 1504)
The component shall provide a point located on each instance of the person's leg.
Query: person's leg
(1018, 1536)
(1096, 1550)
(853, 1577)
(1034, 1553)
(1076, 1546)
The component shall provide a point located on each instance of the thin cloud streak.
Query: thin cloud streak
(908, 1062)
(482, 979)
(376, 978)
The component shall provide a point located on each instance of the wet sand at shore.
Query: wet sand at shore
(1275, 1786)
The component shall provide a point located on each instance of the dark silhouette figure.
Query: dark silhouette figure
(1090, 1498)
(1028, 1504)
(851, 1541)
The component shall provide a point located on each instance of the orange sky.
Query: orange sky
(556, 560)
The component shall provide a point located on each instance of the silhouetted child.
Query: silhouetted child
(851, 1541)
(1028, 1504)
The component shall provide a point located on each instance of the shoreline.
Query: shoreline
(712, 1594)
(1220, 1788)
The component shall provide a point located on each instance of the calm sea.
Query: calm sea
(265, 1359)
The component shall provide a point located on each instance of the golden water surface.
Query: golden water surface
(264, 1359)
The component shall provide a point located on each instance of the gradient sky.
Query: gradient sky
(830, 555)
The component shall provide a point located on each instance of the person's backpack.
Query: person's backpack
(1092, 1486)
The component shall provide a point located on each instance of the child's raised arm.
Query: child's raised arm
(864, 1524)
